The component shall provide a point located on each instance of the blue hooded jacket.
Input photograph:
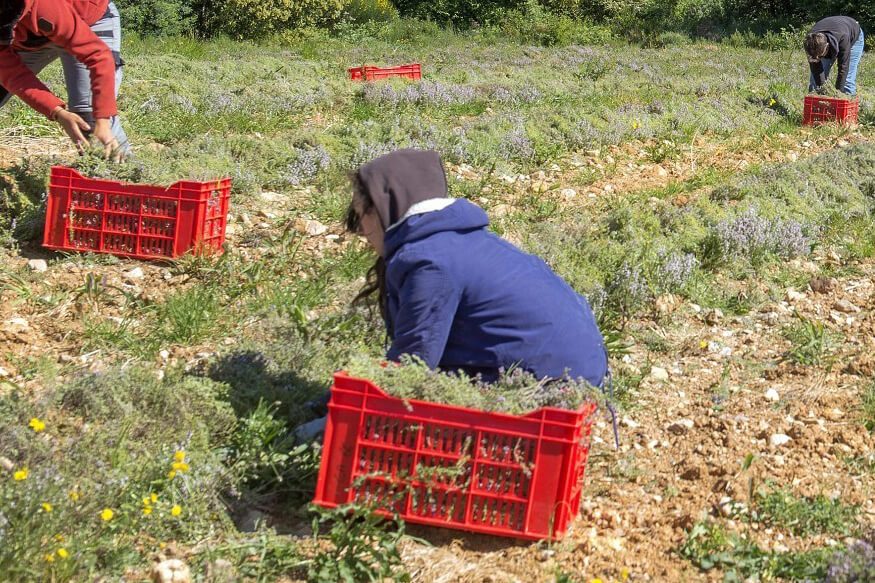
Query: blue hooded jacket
(462, 298)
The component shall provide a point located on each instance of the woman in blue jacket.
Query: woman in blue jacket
(456, 295)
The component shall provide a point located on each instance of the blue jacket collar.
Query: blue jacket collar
(459, 216)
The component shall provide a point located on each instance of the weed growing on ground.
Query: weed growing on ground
(710, 546)
(365, 546)
(804, 516)
(813, 344)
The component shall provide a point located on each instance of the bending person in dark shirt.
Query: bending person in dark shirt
(839, 40)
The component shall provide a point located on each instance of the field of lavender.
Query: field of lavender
(146, 410)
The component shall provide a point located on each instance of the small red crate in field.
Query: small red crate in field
(453, 467)
(134, 220)
(366, 73)
(828, 109)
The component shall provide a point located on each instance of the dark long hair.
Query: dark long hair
(375, 281)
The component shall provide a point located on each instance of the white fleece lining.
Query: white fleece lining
(425, 206)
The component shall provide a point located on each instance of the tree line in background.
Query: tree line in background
(246, 19)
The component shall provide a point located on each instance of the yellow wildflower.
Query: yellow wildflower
(595, 581)
(703, 344)
(772, 102)
(107, 514)
(74, 496)
(37, 425)
(176, 510)
(153, 498)
(179, 456)
(47, 507)
(20, 475)
(171, 474)
(636, 125)
(146, 501)
(180, 466)
(624, 574)
(59, 538)
(50, 558)
(62, 553)
(147, 511)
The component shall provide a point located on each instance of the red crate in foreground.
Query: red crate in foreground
(454, 467)
(366, 73)
(134, 220)
(828, 109)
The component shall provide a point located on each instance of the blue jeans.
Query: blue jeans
(851, 83)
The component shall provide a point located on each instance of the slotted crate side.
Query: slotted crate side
(826, 109)
(512, 476)
(369, 73)
(135, 220)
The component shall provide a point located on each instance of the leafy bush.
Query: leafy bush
(534, 25)
(160, 17)
(260, 18)
(361, 11)
(459, 12)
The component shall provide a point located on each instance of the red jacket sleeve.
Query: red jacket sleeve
(16, 78)
(60, 23)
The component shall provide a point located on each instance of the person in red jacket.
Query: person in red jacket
(86, 36)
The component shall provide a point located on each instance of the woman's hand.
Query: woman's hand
(73, 126)
(103, 132)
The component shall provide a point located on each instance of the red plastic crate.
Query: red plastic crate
(366, 73)
(516, 476)
(134, 220)
(827, 109)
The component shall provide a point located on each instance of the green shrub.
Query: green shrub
(361, 11)
(260, 18)
(535, 25)
(459, 12)
(159, 17)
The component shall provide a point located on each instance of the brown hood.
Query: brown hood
(397, 181)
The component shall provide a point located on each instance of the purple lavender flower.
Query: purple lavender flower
(674, 270)
(752, 236)
(628, 288)
(516, 145)
(306, 164)
(367, 151)
(856, 564)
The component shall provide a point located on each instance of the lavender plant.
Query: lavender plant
(306, 164)
(517, 146)
(855, 564)
(516, 391)
(752, 236)
(674, 270)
